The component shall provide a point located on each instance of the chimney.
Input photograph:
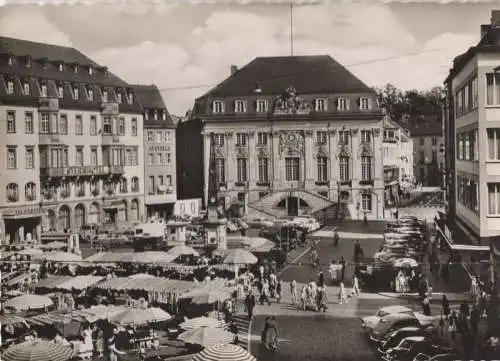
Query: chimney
(484, 29)
(495, 17)
(234, 69)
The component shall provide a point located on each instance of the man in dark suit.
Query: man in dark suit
(250, 304)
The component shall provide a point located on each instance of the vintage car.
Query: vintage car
(392, 322)
(394, 338)
(370, 322)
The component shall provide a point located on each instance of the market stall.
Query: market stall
(68, 283)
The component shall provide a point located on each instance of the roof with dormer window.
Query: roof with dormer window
(150, 98)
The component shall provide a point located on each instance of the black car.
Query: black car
(393, 338)
(429, 347)
(438, 357)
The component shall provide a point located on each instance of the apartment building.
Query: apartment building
(72, 138)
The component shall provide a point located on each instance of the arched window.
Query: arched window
(64, 218)
(30, 191)
(79, 216)
(345, 169)
(135, 184)
(52, 220)
(12, 192)
(94, 214)
(134, 210)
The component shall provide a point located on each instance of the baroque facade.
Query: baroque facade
(72, 140)
(281, 153)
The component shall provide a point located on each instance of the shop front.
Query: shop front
(21, 224)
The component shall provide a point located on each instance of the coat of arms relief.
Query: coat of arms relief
(291, 142)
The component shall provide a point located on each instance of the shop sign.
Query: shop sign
(159, 148)
(25, 211)
(87, 170)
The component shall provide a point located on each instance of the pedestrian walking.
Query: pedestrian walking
(426, 306)
(293, 291)
(355, 286)
(445, 304)
(358, 252)
(264, 296)
(279, 286)
(342, 268)
(321, 279)
(342, 294)
(250, 303)
(303, 298)
(452, 325)
(336, 238)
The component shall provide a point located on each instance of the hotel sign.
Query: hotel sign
(159, 148)
(25, 212)
(110, 108)
(83, 171)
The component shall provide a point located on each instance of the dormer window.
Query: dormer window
(61, 66)
(130, 97)
(76, 93)
(28, 62)
(91, 70)
(75, 68)
(26, 88)
(44, 90)
(342, 104)
(320, 105)
(240, 106)
(90, 93)
(261, 106)
(10, 61)
(217, 107)
(60, 91)
(118, 97)
(105, 96)
(10, 87)
(155, 115)
(164, 116)
(364, 103)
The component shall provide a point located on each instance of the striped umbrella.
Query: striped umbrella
(202, 322)
(224, 352)
(28, 302)
(206, 336)
(38, 350)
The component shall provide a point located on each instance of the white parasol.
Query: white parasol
(405, 262)
(28, 302)
(206, 336)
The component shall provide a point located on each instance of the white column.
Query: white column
(206, 165)
(356, 162)
(333, 163)
(252, 160)
(231, 159)
(275, 175)
(309, 160)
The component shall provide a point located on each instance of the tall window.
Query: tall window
(11, 122)
(28, 123)
(128, 157)
(263, 169)
(90, 93)
(93, 157)
(65, 158)
(261, 106)
(63, 124)
(26, 88)
(134, 127)
(121, 126)
(78, 125)
(60, 91)
(93, 125)
(241, 139)
(30, 191)
(366, 202)
(79, 157)
(366, 168)
(106, 126)
(344, 137)
(345, 172)
(322, 164)
(12, 192)
(320, 105)
(159, 136)
(241, 165)
(11, 158)
(151, 184)
(434, 141)
(118, 97)
(169, 180)
(123, 185)
(494, 198)
(76, 93)
(474, 93)
(292, 169)
(10, 87)
(321, 137)
(240, 106)
(493, 143)
(342, 104)
(80, 188)
(150, 135)
(261, 138)
(220, 170)
(219, 139)
(30, 158)
(44, 90)
(366, 136)
(134, 184)
(364, 103)
(217, 106)
(493, 89)
(161, 159)
(105, 96)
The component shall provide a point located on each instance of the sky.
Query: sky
(186, 49)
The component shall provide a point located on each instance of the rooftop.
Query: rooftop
(150, 98)
(319, 74)
(425, 128)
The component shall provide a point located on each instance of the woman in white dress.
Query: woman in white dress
(342, 294)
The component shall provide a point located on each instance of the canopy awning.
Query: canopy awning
(17, 279)
(157, 284)
(69, 283)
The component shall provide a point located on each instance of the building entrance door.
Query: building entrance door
(293, 206)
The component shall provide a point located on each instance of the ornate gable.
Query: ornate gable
(290, 103)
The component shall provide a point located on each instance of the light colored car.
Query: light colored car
(371, 322)
(309, 223)
(396, 321)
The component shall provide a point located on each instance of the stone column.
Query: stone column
(275, 175)
(206, 165)
(333, 163)
(309, 160)
(356, 161)
(230, 159)
(252, 160)
(20, 233)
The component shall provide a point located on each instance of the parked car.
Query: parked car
(401, 351)
(438, 357)
(426, 346)
(391, 322)
(395, 337)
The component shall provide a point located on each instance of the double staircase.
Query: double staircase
(267, 206)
